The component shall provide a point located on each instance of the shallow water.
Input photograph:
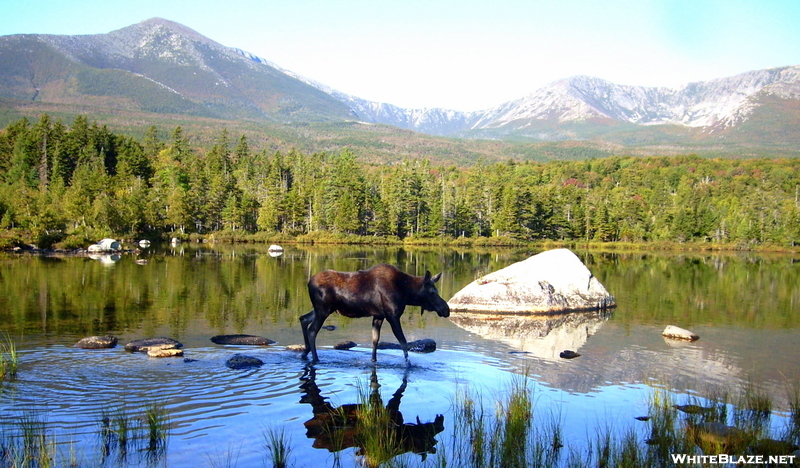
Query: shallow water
(744, 307)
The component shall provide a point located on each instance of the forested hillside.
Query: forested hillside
(66, 185)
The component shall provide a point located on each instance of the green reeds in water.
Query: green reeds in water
(507, 438)
(9, 361)
(29, 445)
(374, 432)
(122, 431)
(157, 433)
(279, 447)
(515, 417)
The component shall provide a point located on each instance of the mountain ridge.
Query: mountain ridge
(165, 67)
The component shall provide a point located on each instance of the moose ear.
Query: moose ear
(427, 275)
(436, 277)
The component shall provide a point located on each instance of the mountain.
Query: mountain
(595, 103)
(157, 66)
(159, 69)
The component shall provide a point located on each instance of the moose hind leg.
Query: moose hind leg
(307, 325)
(305, 321)
(376, 336)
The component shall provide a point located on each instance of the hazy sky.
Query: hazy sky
(462, 54)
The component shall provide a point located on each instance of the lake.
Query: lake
(745, 308)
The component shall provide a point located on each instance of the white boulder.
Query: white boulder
(552, 281)
(677, 333)
(105, 245)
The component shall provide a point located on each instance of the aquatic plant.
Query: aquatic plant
(9, 361)
(121, 431)
(157, 423)
(279, 447)
(515, 416)
(373, 422)
(29, 444)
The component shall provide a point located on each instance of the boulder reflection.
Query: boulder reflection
(378, 432)
(544, 336)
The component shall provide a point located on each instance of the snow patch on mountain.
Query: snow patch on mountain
(722, 102)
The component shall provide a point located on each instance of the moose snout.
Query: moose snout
(443, 310)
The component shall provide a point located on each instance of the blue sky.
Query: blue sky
(462, 54)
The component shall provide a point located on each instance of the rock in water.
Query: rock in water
(677, 333)
(568, 354)
(97, 342)
(249, 340)
(165, 352)
(552, 281)
(344, 345)
(241, 361)
(148, 344)
(425, 345)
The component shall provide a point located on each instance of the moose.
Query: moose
(381, 292)
(336, 428)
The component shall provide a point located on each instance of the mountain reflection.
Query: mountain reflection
(544, 336)
(379, 432)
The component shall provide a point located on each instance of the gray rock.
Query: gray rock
(165, 352)
(552, 281)
(148, 344)
(568, 354)
(250, 340)
(344, 345)
(717, 436)
(241, 361)
(677, 333)
(97, 342)
(426, 345)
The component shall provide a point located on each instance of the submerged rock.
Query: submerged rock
(552, 281)
(773, 447)
(148, 344)
(711, 436)
(694, 409)
(343, 345)
(241, 361)
(250, 340)
(568, 354)
(677, 333)
(426, 345)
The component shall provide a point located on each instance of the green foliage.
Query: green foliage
(58, 181)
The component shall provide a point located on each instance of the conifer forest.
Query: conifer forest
(60, 185)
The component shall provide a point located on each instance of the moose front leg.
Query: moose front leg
(376, 336)
(394, 321)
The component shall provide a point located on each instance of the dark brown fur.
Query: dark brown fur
(381, 292)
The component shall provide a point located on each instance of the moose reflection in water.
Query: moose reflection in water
(381, 292)
(380, 432)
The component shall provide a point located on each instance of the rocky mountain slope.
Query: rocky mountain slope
(158, 66)
(716, 104)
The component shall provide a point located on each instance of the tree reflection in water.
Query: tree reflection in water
(378, 432)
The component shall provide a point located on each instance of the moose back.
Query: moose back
(381, 292)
